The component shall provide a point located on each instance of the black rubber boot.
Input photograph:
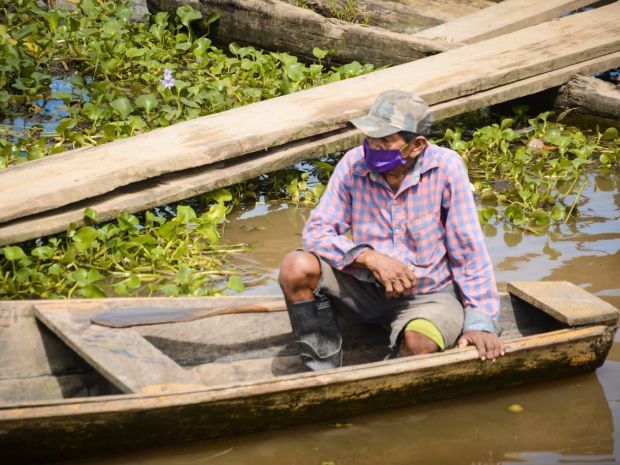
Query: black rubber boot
(318, 336)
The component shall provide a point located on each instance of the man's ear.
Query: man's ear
(417, 146)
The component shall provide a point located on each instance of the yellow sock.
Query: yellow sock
(428, 329)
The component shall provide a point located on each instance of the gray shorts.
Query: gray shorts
(368, 301)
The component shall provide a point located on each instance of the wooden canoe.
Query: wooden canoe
(175, 383)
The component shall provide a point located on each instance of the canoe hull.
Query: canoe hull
(67, 429)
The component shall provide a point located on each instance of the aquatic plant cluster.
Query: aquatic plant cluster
(111, 78)
(114, 77)
(528, 172)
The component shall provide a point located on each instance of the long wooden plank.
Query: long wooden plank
(124, 357)
(564, 301)
(178, 186)
(73, 176)
(501, 18)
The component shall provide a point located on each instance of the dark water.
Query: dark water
(574, 420)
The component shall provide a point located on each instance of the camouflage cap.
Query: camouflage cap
(394, 111)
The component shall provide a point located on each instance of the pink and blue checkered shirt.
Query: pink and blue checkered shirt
(431, 223)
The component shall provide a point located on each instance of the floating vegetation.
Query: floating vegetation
(109, 77)
(180, 255)
(531, 177)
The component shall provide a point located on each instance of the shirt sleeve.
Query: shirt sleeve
(469, 259)
(324, 233)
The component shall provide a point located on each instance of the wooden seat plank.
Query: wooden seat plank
(124, 357)
(564, 301)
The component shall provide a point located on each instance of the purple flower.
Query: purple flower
(168, 80)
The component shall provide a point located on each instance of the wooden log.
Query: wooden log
(276, 25)
(73, 176)
(501, 18)
(408, 16)
(565, 302)
(124, 357)
(178, 186)
(591, 96)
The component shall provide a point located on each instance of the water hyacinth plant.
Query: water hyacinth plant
(170, 256)
(120, 78)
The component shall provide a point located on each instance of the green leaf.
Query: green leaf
(13, 253)
(296, 71)
(121, 289)
(133, 282)
(216, 213)
(541, 217)
(515, 213)
(25, 31)
(320, 53)
(90, 214)
(66, 97)
(122, 106)
(219, 195)
(187, 14)
(558, 212)
(86, 235)
(170, 290)
(610, 134)
(201, 46)
(185, 214)
(42, 252)
(235, 283)
(134, 52)
(85, 277)
(92, 291)
(184, 275)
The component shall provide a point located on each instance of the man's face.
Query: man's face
(396, 142)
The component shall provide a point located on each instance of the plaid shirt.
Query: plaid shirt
(431, 223)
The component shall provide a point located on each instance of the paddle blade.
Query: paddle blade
(143, 316)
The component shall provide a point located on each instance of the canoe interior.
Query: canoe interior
(221, 350)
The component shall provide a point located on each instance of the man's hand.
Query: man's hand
(488, 344)
(396, 277)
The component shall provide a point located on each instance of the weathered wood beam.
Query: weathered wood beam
(406, 16)
(189, 183)
(276, 25)
(501, 18)
(565, 301)
(591, 96)
(122, 356)
(77, 175)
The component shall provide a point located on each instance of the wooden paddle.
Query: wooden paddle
(124, 318)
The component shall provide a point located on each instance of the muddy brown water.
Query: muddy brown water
(574, 420)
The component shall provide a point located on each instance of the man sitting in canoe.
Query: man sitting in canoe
(415, 262)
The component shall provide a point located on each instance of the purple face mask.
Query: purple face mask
(382, 161)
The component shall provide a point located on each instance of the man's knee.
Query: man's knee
(414, 343)
(299, 269)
